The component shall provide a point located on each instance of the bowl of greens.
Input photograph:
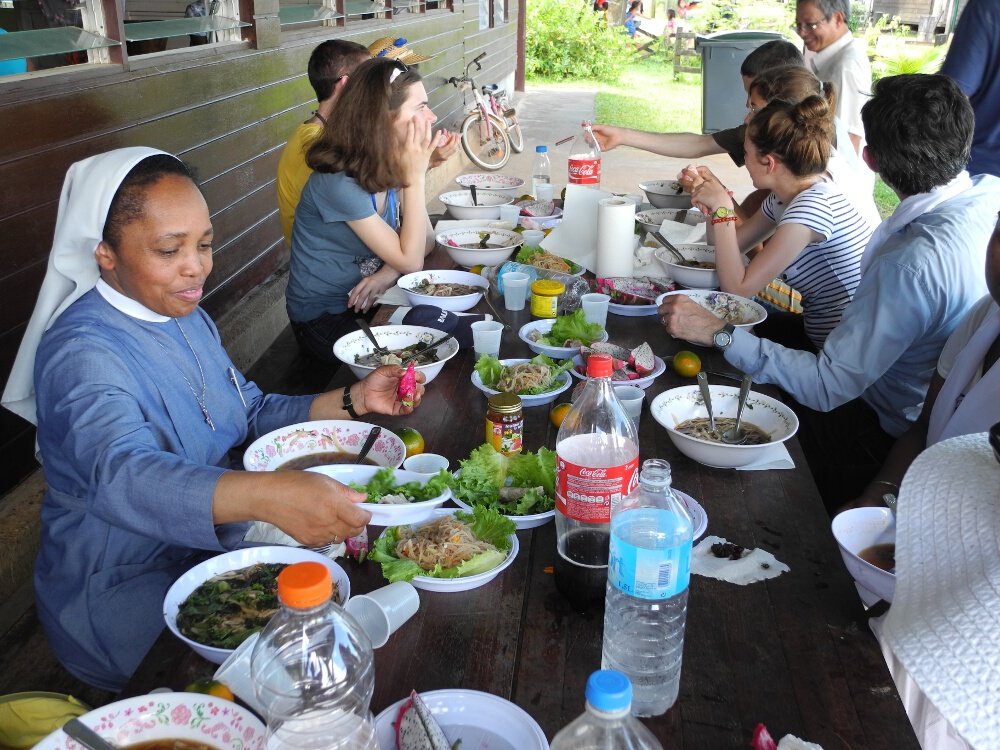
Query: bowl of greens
(535, 256)
(221, 602)
(395, 496)
(521, 487)
(537, 381)
(561, 337)
(456, 551)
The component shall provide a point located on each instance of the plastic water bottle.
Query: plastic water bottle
(597, 459)
(648, 573)
(607, 724)
(569, 300)
(312, 668)
(585, 159)
(541, 170)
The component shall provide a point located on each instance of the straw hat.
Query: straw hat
(395, 49)
(944, 623)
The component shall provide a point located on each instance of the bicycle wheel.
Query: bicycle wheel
(513, 127)
(488, 152)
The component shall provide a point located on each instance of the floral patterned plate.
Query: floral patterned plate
(184, 716)
(274, 449)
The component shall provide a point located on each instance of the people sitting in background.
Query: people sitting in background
(921, 272)
(814, 234)
(362, 219)
(671, 21)
(138, 407)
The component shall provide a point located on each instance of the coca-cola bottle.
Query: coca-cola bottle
(597, 464)
(585, 159)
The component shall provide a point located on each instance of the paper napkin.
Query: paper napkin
(775, 456)
(758, 565)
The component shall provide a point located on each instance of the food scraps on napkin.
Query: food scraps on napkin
(715, 557)
(762, 741)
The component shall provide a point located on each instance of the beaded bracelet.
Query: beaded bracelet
(723, 219)
(347, 404)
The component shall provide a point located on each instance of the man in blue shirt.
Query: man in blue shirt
(922, 270)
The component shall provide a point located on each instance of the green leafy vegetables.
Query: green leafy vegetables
(540, 375)
(572, 330)
(382, 488)
(518, 485)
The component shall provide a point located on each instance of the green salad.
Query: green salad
(518, 485)
(531, 378)
(453, 546)
(570, 330)
(383, 488)
(535, 256)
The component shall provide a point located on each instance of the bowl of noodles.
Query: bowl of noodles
(535, 256)
(457, 291)
(681, 411)
(740, 311)
(357, 352)
(536, 382)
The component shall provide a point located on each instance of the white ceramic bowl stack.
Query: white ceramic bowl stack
(690, 276)
(502, 243)
(459, 303)
(857, 529)
(273, 450)
(487, 206)
(665, 194)
(393, 337)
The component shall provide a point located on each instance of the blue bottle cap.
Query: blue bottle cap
(541, 149)
(608, 690)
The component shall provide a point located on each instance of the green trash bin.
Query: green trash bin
(723, 100)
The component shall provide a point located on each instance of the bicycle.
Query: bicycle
(486, 130)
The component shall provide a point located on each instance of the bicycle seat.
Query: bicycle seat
(491, 88)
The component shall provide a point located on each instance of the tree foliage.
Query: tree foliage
(566, 39)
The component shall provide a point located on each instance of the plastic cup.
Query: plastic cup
(426, 463)
(545, 191)
(486, 336)
(515, 289)
(532, 237)
(381, 612)
(510, 214)
(595, 307)
(631, 398)
(234, 673)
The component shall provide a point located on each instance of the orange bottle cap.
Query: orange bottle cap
(305, 584)
(599, 366)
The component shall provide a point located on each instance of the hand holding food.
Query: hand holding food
(381, 387)
(689, 178)
(684, 318)
(313, 509)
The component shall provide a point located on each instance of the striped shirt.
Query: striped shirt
(828, 271)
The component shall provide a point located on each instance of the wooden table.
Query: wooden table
(793, 652)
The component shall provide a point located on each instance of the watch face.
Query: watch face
(721, 212)
(722, 338)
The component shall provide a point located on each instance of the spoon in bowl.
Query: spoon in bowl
(475, 200)
(670, 248)
(707, 396)
(733, 436)
(379, 349)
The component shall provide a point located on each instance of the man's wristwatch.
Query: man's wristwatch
(724, 336)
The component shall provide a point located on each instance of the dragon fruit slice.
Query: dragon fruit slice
(642, 359)
(357, 546)
(615, 351)
(762, 739)
(416, 728)
(407, 390)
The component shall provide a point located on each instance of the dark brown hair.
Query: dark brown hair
(331, 61)
(792, 83)
(360, 138)
(798, 134)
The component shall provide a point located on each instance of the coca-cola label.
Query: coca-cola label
(584, 171)
(586, 493)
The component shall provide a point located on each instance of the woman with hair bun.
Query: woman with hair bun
(815, 236)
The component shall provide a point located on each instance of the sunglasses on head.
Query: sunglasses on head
(398, 69)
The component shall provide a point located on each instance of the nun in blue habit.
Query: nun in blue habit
(138, 405)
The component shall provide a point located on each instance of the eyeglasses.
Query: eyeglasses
(798, 26)
(399, 69)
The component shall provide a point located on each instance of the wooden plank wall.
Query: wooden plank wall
(228, 114)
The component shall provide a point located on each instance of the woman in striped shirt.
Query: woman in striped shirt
(814, 234)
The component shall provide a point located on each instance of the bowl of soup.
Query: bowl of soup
(356, 350)
(698, 269)
(479, 246)
(665, 194)
(457, 291)
(323, 442)
(486, 206)
(169, 721)
(867, 541)
(681, 411)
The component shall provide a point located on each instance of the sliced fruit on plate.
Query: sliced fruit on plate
(626, 364)
(536, 208)
(416, 727)
(642, 359)
(640, 290)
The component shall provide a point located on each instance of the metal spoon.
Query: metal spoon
(86, 736)
(666, 243)
(368, 444)
(733, 434)
(379, 349)
(472, 189)
(707, 396)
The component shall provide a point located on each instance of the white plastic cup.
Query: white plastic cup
(545, 191)
(486, 336)
(426, 463)
(234, 673)
(515, 289)
(532, 237)
(381, 612)
(595, 307)
(631, 398)
(510, 214)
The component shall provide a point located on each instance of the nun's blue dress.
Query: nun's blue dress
(131, 465)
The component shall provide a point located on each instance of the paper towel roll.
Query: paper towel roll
(615, 237)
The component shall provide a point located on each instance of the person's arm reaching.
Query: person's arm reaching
(679, 145)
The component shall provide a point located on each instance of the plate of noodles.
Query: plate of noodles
(455, 551)
(535, 256)
(537, 381)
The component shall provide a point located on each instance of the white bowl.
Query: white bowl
(194, 717)
(271, 451)
(580, 371)
(455, 304)
(653, 219)
(357, 344)
(527, 400)
(385, 514)
(529, 521)
(496, 183)
(665, 194)
(500, 246)
(429, 583)
(487, 207)
(236, 560)
(555, 352)
(678, 405)
(689, 276)
(857, 529)
(747, 312)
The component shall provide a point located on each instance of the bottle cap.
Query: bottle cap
(305, 584)
(608, 690)
(541, 149)
(599, 366)
(548, 287)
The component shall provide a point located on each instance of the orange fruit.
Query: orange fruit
(209, 686)
(412, 439)
(477, 269)
(558, 413)
(687, 364)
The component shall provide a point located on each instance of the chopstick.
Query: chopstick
(567, 139)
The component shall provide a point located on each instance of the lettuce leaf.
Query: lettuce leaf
(486, 471)
(384, 483)
(490, 369)
(534, 470)
(572, 327)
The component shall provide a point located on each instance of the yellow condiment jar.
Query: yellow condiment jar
(505, 423)
(545, 295)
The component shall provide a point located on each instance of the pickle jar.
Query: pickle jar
(505, 423)
(545, 295)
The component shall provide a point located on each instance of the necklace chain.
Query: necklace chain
(204, 386)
